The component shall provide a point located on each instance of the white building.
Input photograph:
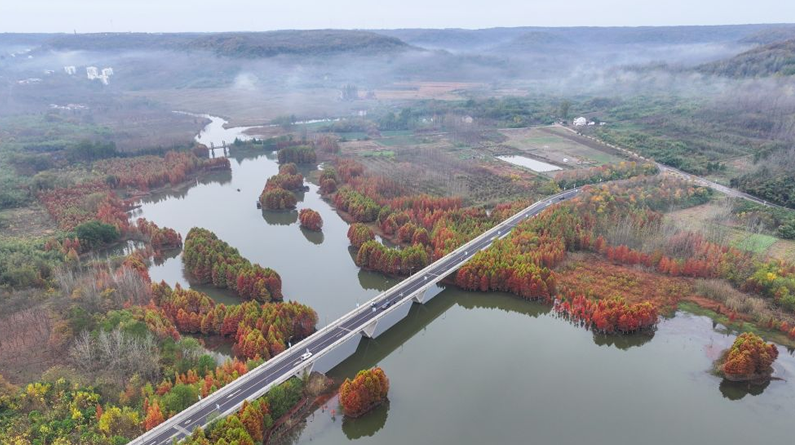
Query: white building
(580, 121)
(93, 72)
(70, 70)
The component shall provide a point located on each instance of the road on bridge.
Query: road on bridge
(247, 386)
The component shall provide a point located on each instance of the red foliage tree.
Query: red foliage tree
(365, 391)
(749, 357)
(310, 219)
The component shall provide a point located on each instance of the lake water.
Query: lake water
(532, 164)
(475, 368)
(316, 268)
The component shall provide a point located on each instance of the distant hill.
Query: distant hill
(535, 42)
(319, 42)
(768, 36)
(466, 39)
(244, 44)
(454, 39)
(774, 59)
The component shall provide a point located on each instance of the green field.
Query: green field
(756, 243)
(377, 154)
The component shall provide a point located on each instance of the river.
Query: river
(471, 368)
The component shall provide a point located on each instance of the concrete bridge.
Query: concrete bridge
(332, 344)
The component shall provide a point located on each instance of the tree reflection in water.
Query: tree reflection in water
(280, 217)
(314, 237)
(738, 390)
(366, 425)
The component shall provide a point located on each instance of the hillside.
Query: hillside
(469, 39)
(771, 35)
(536, 42)
(316, 42)
(244, 44)
(775, 59)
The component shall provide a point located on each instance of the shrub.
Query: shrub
(95, 233)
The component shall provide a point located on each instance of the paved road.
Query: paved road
(232, 396)
(734, 193)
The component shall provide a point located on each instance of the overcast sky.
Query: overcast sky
(262, 15)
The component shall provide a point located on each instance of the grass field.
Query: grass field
(400, 140)
(378, 153)
(425, 90)
(755, 242)
(550, 144)
(712, 215)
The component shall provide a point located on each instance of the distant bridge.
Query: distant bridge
(337, 341)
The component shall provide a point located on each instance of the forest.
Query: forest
(211, 260)
(132, 366)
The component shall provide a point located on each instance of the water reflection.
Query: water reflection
(738, 390)
(280, 217)
(121, 249)
(376, 281)
(502, 301)
(313, 236)
(220, 177)
(623, 342)
(165, 255)
(368, 424)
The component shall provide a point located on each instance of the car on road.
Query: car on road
(305, 356)
(386, 305)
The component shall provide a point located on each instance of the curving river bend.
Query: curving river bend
(472, 368)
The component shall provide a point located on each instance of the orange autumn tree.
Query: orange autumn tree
(748, 358)
(365, 391)
(154, 416)
(359, 234)
(310, 219)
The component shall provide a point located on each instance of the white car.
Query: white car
(305, 356)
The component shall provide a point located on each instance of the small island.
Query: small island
(366, 391)
(310, 220)
(749, 359)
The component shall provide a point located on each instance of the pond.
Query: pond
(474, 368)
(532, 164)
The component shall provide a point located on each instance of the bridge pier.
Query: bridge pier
(334, 357)
(425, 294)
(301, 370)
(396, 313)
(369, 330)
